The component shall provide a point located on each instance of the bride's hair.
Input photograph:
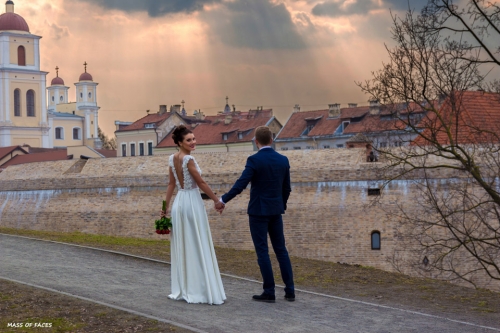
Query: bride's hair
(179, 133)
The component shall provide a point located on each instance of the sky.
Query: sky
(270, 53)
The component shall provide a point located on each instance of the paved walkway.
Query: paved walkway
(141, 286)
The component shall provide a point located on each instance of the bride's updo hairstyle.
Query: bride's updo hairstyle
(179, 133)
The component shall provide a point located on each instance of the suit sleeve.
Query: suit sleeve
(241, 183)
(287, 188)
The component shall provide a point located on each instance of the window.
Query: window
(17, 103)
(141, 148)
(340, 146)
(132, 149)
(61, 98)
(224, 137)
(59, 133)
(326, 146)
(383, 145)
(240, 135)
(373, 191)
(21, 56)
(151, 125)
(30, 103)
(90, 95)
(284, 148)
(398, 144)
(76, 133)
(344, 125)
(124, 150)
(150, 148)
(52, 98)
(309, 147)
(81, 95)
(296, 148)
(375, 240)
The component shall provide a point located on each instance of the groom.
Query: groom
(269, 175)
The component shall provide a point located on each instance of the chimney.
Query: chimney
(175, 108)
(199, 115)
(9, 7)
(334, 110)
(163, 109)
(228, 119)
(353, 105)
(374, 107)
(296, 108)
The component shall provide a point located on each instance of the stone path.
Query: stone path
(141, 286)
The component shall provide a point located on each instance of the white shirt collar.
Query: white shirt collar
(265, 147)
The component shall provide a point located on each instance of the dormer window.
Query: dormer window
(240, 135)
(150, 125)
(224, 136)
(310, 123)
(340, 130)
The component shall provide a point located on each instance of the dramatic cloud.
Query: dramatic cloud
(154, 8)
(363, 7)
(255, 24)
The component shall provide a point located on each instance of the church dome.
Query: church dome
(86, 77)
(57, 81)
(12, 21)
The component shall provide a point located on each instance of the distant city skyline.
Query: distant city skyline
(268, 53)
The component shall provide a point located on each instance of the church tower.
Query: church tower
(86, 106)
(57, 92)
(23, 110)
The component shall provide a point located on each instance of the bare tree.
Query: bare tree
(434, 83)
(109, 144)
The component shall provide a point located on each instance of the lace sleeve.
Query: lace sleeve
(188, 179)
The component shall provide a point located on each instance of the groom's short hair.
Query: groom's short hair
(264, 135)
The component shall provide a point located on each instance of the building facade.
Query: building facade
(30, 113)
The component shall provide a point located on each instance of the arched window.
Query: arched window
(90, 95)
(52, 98)
(61, 98)
(77, 133)
(17, 103)
(376, 240)
(21, 56)
(59, 133)
(30, 103)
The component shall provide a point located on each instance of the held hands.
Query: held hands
(219, 206)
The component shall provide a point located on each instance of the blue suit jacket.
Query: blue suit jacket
(269, 175)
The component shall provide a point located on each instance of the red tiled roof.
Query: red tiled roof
(37, 157)
(210, 131)
(4, 151)
(107, 153)
(154, 118)
(475, 119)
(297, 123)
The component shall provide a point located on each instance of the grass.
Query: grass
(360, 282)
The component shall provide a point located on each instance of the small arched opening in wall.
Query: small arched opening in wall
(375, 240)
(21, 56)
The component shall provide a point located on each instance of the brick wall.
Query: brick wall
(330, 215)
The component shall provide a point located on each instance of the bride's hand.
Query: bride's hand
(163, 213)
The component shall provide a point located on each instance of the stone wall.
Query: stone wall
(329, 216)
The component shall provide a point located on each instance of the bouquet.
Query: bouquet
(164, 224)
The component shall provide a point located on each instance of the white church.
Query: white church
(32, 114)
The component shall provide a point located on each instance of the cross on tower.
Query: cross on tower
(57, 71)
(227, 98)
(85, 65)
(183, 103)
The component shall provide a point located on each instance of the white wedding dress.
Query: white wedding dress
(195, 272)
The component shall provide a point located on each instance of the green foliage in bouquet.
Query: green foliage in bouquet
(165, 223)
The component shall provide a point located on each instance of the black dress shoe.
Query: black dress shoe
(264, 298)
(290, 297)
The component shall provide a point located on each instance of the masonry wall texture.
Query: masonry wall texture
(329, 216)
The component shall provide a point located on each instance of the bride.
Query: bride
(195, 272)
